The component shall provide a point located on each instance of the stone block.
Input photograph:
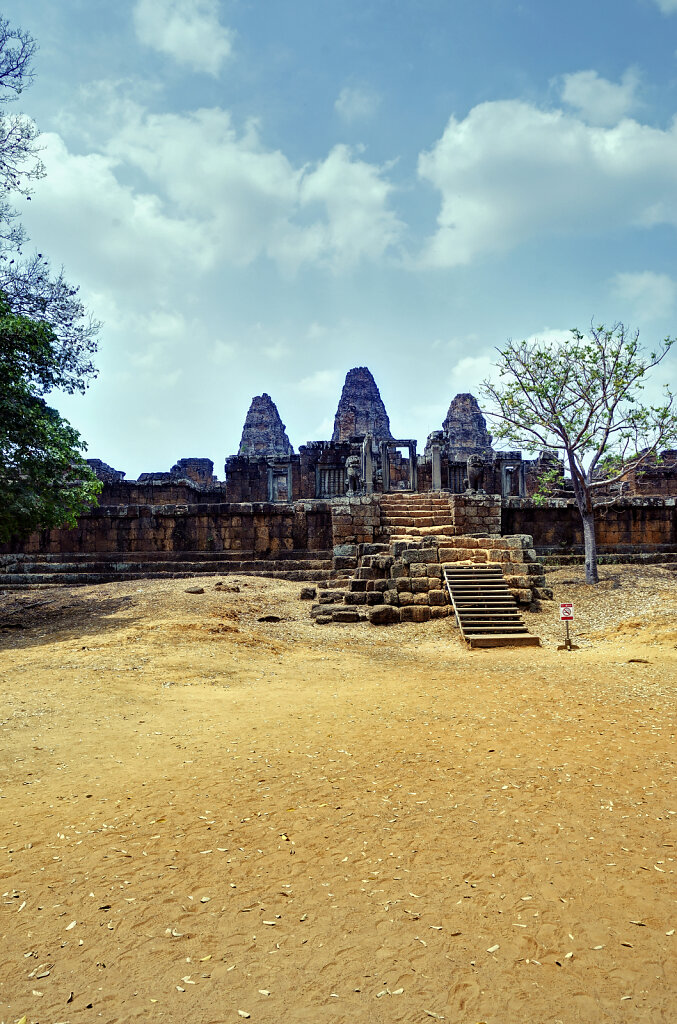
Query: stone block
(418, 569)
(543, 593)
(519, 540)
(358, 586)
(383, 615)
(403, 586)
(448, 555)
(413, 555)
(375, 598)
(307, 594)
(346, 615)
(322, 620)
(331, 596)
(434, 583)
(521, 595)
(392, 597)
(405, 599)
(439, 612)
(344, 562)
(419, 586)
(416, 613)
(434, 570)
(437, 597)
(380, 585)
(399, 571)
(421, 599)
(345, 550)
(356, 598)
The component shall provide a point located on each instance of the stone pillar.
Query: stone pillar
(367, 465)
(437, 468)
(385, 466)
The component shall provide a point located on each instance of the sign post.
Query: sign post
(566, 615)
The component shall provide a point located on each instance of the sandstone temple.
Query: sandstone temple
(331, 506)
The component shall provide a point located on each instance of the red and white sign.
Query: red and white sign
(566, 612)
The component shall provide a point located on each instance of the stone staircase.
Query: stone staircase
(20, 570)
(485, 610)
(416, 515)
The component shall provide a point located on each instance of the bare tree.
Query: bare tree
(581, 399)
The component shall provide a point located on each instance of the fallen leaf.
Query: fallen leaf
(71, 925)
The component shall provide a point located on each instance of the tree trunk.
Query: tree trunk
(590, 542)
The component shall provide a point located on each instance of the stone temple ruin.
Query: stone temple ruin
(353, 506)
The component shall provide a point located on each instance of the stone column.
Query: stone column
(437, 468)
(367, 465)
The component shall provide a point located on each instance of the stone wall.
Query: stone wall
(259, 528)
(476, 513)
(622, 525)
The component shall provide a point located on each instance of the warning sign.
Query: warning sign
(566, 612)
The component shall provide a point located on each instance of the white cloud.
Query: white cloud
(597, 100)
(187, 30)
(250, 198)
(652, 296)
(325, 383)
(107, 234)
(667, 6)
(356, 103)
(510, 172)
(468, 373)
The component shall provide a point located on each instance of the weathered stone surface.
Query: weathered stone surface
(383, 615)
(105, 472)
(465, 429)
(307, 594)
(264, 434)
(361, 409)
(200, 471)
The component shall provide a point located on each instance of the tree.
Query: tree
(581, 399)
(44, 481)
(32, 288)
(47, 339)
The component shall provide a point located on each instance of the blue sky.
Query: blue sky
(258, 196)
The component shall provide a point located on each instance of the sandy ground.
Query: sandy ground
(207, 818)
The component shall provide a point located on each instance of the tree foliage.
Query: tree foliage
(47, 339)
(581, 400)
(44, 481)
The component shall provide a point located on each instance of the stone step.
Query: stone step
(503, 640)
(82, 578)
(73, 569)
(164, 556)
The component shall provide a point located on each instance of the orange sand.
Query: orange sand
(206, 818)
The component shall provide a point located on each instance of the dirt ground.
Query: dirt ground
(206, 817)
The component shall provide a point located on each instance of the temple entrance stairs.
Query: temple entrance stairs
(19, 570)
(485, 610)
(409, 514)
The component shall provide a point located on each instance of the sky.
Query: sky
(257, 196)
